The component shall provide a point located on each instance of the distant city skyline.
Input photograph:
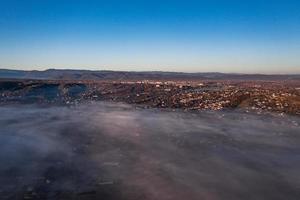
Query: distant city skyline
(183, 36)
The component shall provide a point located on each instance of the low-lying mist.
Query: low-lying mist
(115, 151)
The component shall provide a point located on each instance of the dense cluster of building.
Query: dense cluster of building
(194, 95)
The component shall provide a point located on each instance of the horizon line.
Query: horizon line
(147, 71)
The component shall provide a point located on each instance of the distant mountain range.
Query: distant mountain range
(69, 74)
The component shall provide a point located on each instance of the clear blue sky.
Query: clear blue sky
(248, 36)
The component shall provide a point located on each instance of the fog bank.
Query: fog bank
(114, 151)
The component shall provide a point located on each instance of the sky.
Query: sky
(232, 36)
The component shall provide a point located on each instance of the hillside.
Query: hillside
(68, 74)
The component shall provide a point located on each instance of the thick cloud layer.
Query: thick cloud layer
(114, 151)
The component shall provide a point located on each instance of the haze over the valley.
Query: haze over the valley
(115, 151)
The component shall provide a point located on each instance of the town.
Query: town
(257, 96)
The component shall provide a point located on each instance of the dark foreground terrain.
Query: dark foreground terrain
(114, 151)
